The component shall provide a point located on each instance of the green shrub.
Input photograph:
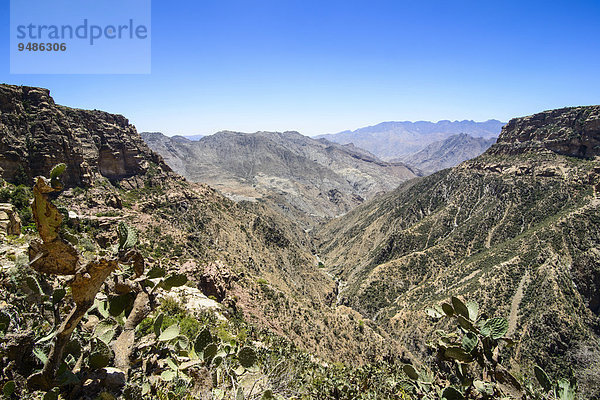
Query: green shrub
(21, 177)
(5, 195)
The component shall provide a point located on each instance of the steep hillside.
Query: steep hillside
(390, 140)
(250, 258)
(301, 176)
(515, 229)
(447, 153)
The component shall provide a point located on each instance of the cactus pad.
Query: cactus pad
(469, 342)
(495, 327)
(203, 339)
(448, 310)
(127, 236)
(247, 357)
(451, 393)
(210, 352)
(542, 378)
(473, 308)
(459, 307)
(411, 372)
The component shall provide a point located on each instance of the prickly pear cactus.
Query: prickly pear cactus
(542, 378)
(58, 170)
(459, 307)
(495, 327)
(203, 339)
(469, 342)
(210, 352)
(458, 354)
(127, 236)
(47, 216)
(55, 174)
(448, 309)
(411, 372)
(247, 357)
(473, 308)
(451, 393)
(53, 255)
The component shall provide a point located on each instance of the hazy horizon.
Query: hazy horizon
(321, 68)
(319, 134)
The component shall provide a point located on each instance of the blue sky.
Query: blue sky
(326, 66)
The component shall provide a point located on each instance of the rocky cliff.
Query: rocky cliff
(36, 134)
(571, 132)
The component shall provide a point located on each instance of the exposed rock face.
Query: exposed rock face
(36, 134)
(448, 153)
(298, 174)
(10, 223)
(572, 132)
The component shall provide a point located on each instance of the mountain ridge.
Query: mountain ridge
(447, 153)
(392, 139)
(308, 176)
(523, 214)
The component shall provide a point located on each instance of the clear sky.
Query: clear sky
(326, 66)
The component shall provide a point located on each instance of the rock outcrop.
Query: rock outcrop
(36, 134)
(571, 132)
(10, 223)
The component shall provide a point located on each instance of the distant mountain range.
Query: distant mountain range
(194, 137)
(302, 176)
(390, 140)
(447, 153)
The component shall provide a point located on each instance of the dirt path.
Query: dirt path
(516, 301)
(488, 240)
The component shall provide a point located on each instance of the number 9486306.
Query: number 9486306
(42, 46)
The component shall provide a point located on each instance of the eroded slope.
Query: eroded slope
(516, 229)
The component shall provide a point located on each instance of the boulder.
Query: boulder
(10, 223)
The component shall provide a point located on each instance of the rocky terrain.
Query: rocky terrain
(10, 222)
(258, 265)
(36, 134)
(447, 153)
(515, 229)
(568, 131)
(391, 140)
(200, 296)
(301, 176)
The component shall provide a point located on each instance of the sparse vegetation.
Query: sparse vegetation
(19, 196)
(158, 288)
